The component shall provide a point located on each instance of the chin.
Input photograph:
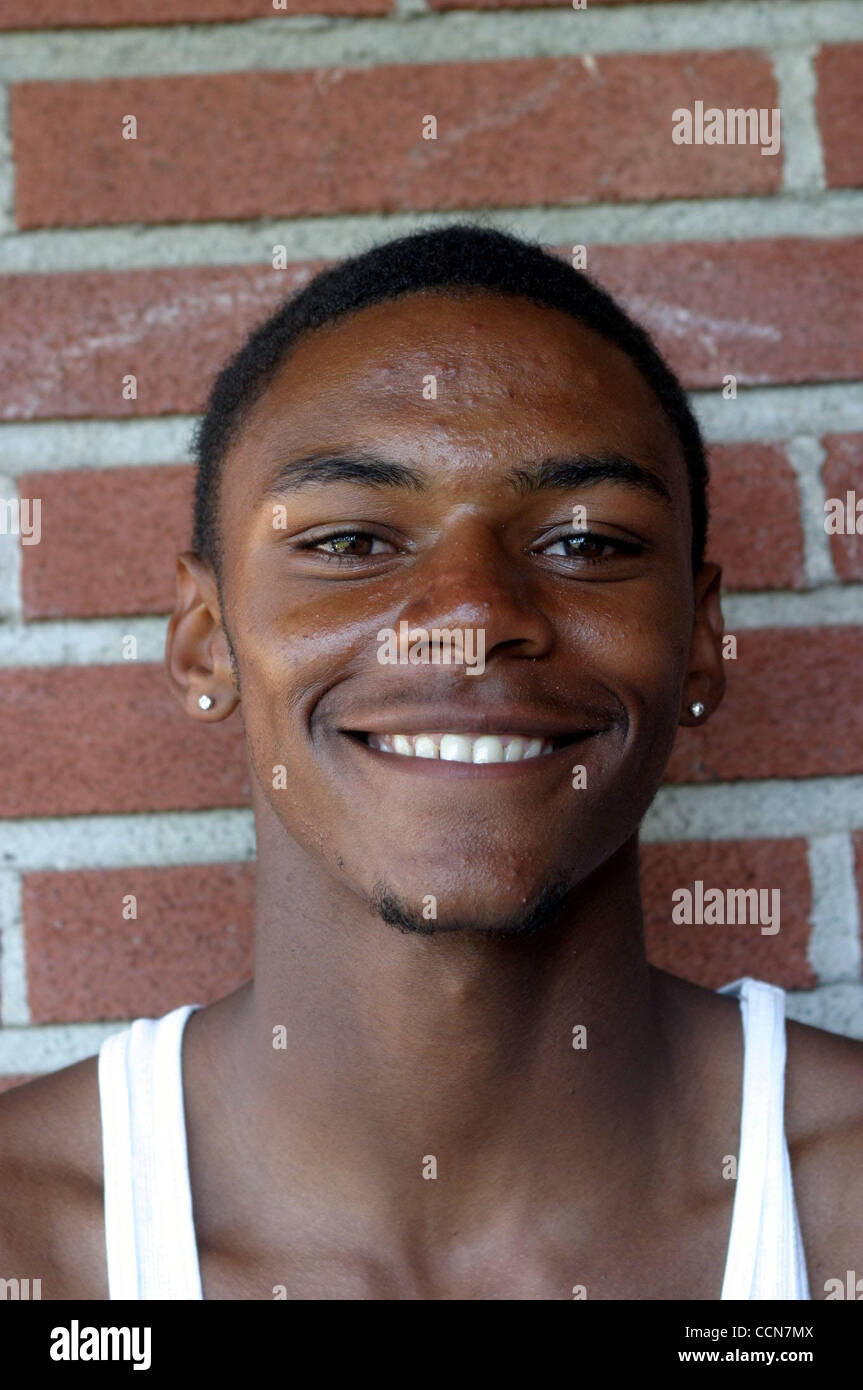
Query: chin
(484, 914)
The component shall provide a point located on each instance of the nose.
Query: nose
(469, 579)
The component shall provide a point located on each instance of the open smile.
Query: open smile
(440, 751)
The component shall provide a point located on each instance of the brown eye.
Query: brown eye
(588, 546)
(354, 543)
(345, 546)
(591, 546)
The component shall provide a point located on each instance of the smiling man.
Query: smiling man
(454, 1075)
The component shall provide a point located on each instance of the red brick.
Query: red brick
(133, 520)
(69, 339)
(716, 955)
(514, 132)
(82, 739)
(772, 310)
(64, 14)
(787, 711)
(843, 473)
(190, 943)
(839, 105)
(755, 531)
(713, 308)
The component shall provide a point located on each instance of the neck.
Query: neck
(381, 1049)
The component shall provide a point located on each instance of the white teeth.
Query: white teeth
(463, 748)
(488, 749)
(456, 748)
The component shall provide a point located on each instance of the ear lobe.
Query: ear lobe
(704, 685)
(197, 654)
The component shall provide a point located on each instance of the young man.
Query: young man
(454, 1075)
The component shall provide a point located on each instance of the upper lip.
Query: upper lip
(432, 719)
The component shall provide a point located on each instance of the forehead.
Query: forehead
(493, 374)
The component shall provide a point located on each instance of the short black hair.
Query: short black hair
(467, 255)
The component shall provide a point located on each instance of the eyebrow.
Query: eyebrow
(369, 470)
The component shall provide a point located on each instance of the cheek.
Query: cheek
(639, 641)
(638, 653)
(291, 654)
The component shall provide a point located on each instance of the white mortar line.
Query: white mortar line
(834, 944)
(156, 839)
(756, 810)
(51, 1046)
(10, 562)
(806, 456)
(768, 413)
(7, 170)
(777, 412)
(286, 43)
(837, 1008)
(802, 161)
(49, 446)
(14, 1008)
(80, 642)
(834, 606)
(835, 212)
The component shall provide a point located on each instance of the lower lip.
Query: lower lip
(442, 767)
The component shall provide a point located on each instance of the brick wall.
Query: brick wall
(301, 129)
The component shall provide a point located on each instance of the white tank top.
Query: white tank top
(149, 1225)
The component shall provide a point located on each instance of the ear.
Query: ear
(705, 676)
(197, 655)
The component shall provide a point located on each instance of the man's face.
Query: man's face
(585, 641)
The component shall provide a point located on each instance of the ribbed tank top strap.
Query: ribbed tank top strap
(149, 1226)
(765, 1250)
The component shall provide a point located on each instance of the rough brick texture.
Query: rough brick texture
(781, 716)
(84, 739)
(69, 340)
(136, 519)
(190, 941)
(55, 14)
(714, 309)
(509, 132)
(714, 955)
(839, 70)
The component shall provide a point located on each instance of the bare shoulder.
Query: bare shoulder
(824, 1129)
(51, 1215)
(823, 1117)
(823, 1084)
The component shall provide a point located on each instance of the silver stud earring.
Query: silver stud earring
(206, 701)
(696, 709)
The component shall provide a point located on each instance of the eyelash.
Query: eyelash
(621, 547)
